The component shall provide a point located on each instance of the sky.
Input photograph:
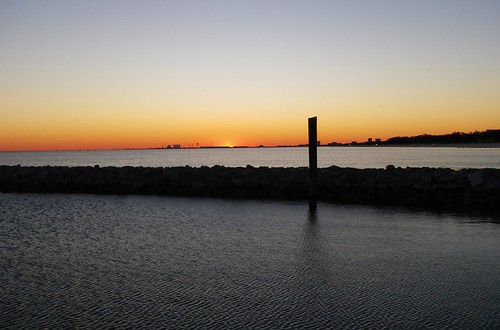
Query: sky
(100, 74)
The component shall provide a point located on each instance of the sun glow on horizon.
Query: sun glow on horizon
(229, 73)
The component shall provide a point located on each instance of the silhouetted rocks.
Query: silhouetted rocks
(435, 187)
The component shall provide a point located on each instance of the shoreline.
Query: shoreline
(442, 188)
(448, 145)
(493, 145)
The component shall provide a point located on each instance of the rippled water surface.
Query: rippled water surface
(78, 261)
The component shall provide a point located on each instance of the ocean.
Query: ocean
(357, 157)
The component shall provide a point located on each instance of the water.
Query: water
(358, 157)
(83, 261)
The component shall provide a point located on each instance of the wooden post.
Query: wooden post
(313, 163)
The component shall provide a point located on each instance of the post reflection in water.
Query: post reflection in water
(314, 283)
(312, 215)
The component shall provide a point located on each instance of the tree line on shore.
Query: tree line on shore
(488, 136)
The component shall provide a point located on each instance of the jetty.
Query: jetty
(464, 189)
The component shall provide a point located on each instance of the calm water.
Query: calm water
(83, 261)
(358, 157)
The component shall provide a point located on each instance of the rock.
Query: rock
(477, 188)
(475, 179)
(492, 185)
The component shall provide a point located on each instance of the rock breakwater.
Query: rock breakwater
(435, 187)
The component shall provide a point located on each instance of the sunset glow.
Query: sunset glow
(143, 74)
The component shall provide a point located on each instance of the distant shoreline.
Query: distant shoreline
(493, 145)
(444, 145)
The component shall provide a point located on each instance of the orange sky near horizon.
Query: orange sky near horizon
(115, 75)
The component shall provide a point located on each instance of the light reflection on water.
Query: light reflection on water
(78, 261)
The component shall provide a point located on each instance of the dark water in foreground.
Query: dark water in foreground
(77, 261)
